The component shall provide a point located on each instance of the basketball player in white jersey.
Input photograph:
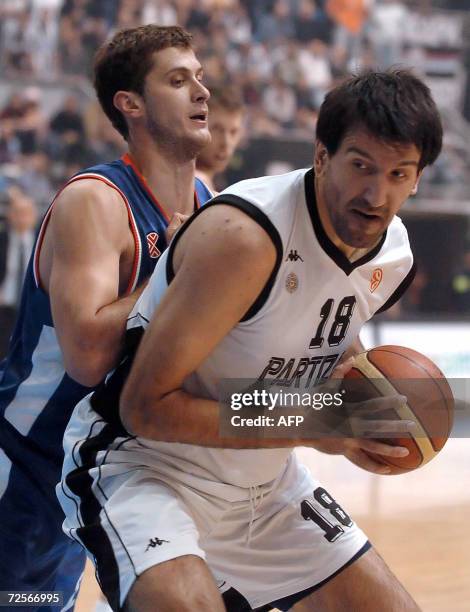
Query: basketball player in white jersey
(273, 280)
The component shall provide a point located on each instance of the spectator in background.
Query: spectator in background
(387, 30)
(238, 24)
(241, 42)
(280, 103)
(73, 22)
(16, 54)
(36, 179)
(311, 22)
(104, 141)
(315, 69)
(276, 24)
(42, 36)
(250, 60)
(261, 125)
(350, 17)
(10, 114)
(162, 12)
(288, 65)
(226, 112)
(16, 243)
(13, 109)
(9, 144)
(306, 121)
(68, 119)
(25, 118)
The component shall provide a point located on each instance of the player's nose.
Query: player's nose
(200, 92)
(375, 192)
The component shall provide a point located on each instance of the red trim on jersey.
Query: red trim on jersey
(197, 204)
(132, 224)
(127, 159)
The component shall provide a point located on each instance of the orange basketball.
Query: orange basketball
(388, 370)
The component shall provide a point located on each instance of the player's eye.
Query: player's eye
(360, 165)
(177, 82)
(399, 174)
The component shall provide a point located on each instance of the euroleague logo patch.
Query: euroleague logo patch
(152, 240)
(375, 279)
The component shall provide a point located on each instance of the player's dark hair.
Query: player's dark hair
(227, 97)
(124, 62)
(394, 106)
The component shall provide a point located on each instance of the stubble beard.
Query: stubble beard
(182, 149)
(351, 237)
(340, 222)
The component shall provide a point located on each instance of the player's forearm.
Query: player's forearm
(184, 418)
(97, 343)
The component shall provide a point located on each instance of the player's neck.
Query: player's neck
(171, 183)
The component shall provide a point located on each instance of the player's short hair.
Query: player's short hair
(227, 97)
(394, 106)
(123, 63)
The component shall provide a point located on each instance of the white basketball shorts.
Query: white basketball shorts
(132, 509)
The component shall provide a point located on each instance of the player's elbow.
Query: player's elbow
(89, 354)
(133, 412)
(88, 376)
(142, 409)
(87, 365)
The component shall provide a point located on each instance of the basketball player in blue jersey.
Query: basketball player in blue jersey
(96, 247)
(272, 280)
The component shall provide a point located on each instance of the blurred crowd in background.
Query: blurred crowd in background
(283, 56)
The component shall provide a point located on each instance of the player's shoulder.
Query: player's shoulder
(89, 194)
(93, 186)
(256, 188)
(89, 202)
(397, 235)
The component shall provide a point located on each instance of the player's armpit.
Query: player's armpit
(87, 234)
(222, 262)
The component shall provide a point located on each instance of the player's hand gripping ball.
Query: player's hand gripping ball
(391, 370)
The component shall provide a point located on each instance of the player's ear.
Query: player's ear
(320, 159)
(414, 191)
(129, 103)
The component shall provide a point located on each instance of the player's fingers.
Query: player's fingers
(176, 221)
(341, 369)
(362, 460)
(385, 427)
(380, 448)
(180, 217)
(382, 403)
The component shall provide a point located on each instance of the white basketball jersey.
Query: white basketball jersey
(308, 315)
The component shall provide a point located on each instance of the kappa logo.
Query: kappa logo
(375, 279)
(293, 256)
(152, 240)
(154, 542)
